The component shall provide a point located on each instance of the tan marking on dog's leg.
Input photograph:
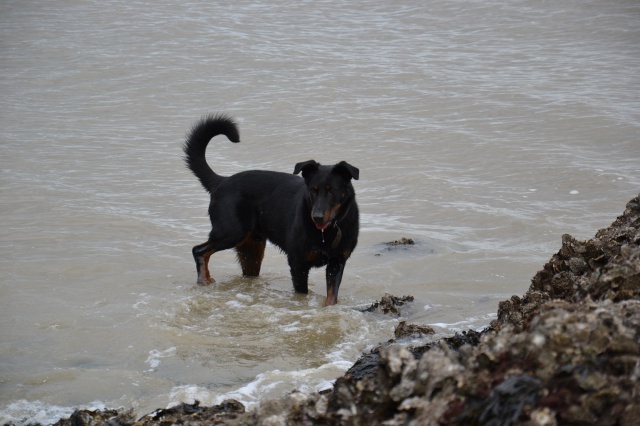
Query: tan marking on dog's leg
(205, 276)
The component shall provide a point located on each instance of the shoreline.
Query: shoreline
(566, 352)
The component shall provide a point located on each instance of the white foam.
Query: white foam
(235, 304)
(155, 357)
(144, 300)
(268, 385)
(244, 297)
(471, 322)
(290, 328)
(435, 305)
(189, 394)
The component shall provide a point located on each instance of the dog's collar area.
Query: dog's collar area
(334, 224)
(338, 237)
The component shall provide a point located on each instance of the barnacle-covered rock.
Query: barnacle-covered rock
(98, 417)
(606, 267)
(194, 414)
(411, 330)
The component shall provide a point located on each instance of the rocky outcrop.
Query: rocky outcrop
(602, 269)
(566, 352)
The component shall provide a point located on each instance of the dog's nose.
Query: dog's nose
(318, 217)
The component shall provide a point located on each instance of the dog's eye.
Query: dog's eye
(315, 189)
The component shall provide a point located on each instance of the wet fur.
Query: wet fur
(314, 220)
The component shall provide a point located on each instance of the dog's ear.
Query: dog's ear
(306, 167)
(347, 170)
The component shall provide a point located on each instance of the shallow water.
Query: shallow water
(482, 130)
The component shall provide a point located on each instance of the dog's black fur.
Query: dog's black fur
(314, 220)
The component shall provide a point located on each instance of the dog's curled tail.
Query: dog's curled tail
(196, 145)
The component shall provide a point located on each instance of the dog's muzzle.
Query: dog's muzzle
(320, 220)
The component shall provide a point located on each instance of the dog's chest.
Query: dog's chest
(333, 237)
(325, 247)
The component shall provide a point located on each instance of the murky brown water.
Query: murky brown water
(483, 130)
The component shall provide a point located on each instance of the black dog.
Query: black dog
(314, 220)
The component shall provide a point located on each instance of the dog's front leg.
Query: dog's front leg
(334, 278)
(299, 276)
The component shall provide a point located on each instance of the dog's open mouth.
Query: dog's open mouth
(322, 227)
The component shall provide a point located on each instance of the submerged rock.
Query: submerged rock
(401, 242)
(411, 330)
(566, 352)
(389, 304)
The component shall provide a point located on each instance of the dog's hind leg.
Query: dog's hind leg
(201, 254)
(250, 254)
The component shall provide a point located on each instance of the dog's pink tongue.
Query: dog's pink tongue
(322, 227)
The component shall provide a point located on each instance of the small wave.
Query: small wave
(268, 385)
(23, 412)
(155, 357)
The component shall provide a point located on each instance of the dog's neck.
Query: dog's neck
(341, 217)
(338, 237)
(334, 224)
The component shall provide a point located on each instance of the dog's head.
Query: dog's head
(329, 190)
